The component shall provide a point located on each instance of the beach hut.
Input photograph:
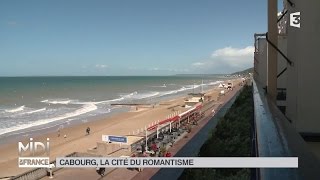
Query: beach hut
(194, 98)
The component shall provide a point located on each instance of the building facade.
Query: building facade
(297, 65)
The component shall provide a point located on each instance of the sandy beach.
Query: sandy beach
(77, 141)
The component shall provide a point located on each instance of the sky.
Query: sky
(128, 37)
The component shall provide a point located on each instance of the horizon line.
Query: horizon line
(111, 75)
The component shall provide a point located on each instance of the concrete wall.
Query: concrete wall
(261, 62)
(303, 84)
(109, 148)
(282, 63)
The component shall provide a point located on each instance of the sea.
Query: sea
(36, 104)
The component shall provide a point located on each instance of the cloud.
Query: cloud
(101, 66)
(226, 60)
(178, 70)
(229, 52)
(198, 64)
(168, 69)
(154, 69)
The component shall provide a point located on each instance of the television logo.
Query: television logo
(34, 150)
(295, 19)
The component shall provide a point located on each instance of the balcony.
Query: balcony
(276, 137)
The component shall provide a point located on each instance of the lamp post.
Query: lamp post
(158, 130)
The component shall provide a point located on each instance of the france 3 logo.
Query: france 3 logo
(295, 19)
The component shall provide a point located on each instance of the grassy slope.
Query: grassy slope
(231, 138)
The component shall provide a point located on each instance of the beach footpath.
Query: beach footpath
(189, 147)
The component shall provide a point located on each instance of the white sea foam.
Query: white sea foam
(84, 109)
(35, 111)
(174, 91)
(56, 101)
(129, 95)
(188, 87)
(214, 83)
(108, 101)
(145, 95)
(164, 85)
(21, 108)
(168, 93)
(133, 95)
(46, 127)
(192, 86)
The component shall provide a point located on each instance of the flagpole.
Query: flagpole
(146, 147)
(158, 130)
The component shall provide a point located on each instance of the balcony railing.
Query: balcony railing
(276, 137)
(282, 94)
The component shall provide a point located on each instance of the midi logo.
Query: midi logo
(34, 154)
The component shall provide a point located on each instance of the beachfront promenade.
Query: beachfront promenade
(187, 144)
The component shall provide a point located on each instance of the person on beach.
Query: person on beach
(65, 136)
(168, 154)
(101, 171)
(88, 130)
(58, 132)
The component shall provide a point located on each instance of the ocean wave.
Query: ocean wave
(129, 95)
(84, 109)
(195, 86)
(174, 91)
(145, 95)
(26, 133)
(108, 101)
(35, 111)
(21, 108)
(187, 87)
(168, 93)
(214, 83)
(164, 85)
(56, 101)
(133, 95)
